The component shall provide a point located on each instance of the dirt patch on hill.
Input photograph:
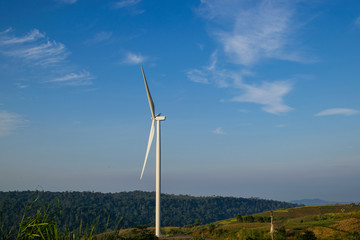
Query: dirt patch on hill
(324, 232)
(351, 224)
(182, 237)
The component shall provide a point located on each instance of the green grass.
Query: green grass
(281, 211)
(42, 226)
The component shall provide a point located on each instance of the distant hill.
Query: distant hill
(130, 208)
(314, 202)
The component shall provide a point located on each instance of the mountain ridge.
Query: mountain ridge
(316, 201)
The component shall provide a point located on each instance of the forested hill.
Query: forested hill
(134, 208)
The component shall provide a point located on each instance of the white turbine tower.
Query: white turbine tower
(154, 118)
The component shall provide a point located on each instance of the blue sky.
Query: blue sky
(261, 97)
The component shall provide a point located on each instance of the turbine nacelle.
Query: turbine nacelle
(159, 118)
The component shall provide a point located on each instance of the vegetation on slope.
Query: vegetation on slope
(106, 210)
(317, 222)
(301, 223)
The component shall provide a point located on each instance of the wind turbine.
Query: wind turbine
(154, 118)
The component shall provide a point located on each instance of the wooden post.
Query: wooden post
(272, 225)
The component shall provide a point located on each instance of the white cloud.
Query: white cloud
(201, 46)
(269, 94)
(219, 131)
(213, 61)
(132, 58)
(197, 76)
(74, 79)
(126, 3)
(67, 1)
(258, 33)
(337, 111)
(211, 74)
(20, 85)
(46, 53)
(33, 48)
(249, 31)
(30, 37)
(99, 37)
(9, 122)
(252, 30)
(357, 22)
(36, 49)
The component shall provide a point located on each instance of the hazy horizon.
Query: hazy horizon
(192, 195)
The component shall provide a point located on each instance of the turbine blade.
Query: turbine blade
(151, 103)
(152, 131)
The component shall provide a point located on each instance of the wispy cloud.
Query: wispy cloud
(47, 53)
(337, 111)
(126, 3)
(212, 74)
(74, 79)
(99, 37)
(9, 122)
(67, 1)
(132, 58)
(30, 37)
(20, 85)
(252, 30)
(219, 131)
(133, 5)
(34, 48)
(269, 94)
(249, 32)
(197, 76)
(357, 22)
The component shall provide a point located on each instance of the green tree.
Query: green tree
(354, 235)
(307, 235)
(197, 222)
(211, 227)
(239, 218)
(249, 218)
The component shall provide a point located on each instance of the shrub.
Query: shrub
(307, 235)
(239, 218)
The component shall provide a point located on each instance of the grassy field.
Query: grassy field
(325, 222)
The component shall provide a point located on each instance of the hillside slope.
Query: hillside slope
(132, 208)
(311, 222)
(315, 202)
